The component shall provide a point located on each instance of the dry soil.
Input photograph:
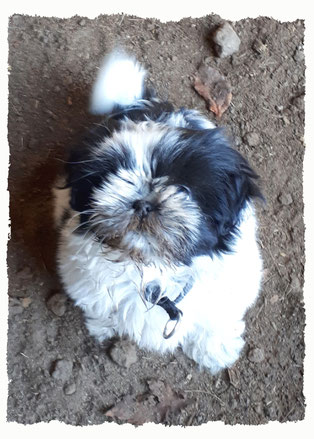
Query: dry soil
(56, 370)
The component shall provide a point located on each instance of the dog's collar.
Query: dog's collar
(174, 313)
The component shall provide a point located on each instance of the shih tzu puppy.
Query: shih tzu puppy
(157, 224)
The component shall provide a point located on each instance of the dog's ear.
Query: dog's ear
(90, 163)
(80, 177)
(82, 168)
(221, 180)
(236, 185)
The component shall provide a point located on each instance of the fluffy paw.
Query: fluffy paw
(215, 351)
(100, 329)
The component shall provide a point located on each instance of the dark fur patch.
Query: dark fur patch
(219, 178)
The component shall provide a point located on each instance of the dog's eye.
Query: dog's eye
(184, 189)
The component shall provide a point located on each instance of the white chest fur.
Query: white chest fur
(111, 295)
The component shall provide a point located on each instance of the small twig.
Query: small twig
(275, 262)
(289, 412)
(258, 312)
(270, 277)
(24, 355)
(121, 21)
(191, 418)
(207, 392)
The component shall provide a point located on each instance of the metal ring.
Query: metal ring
(164, 334)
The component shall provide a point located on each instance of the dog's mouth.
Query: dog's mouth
(145, 242)
(141, 247)
(160, 227)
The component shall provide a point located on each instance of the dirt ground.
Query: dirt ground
(56, 370)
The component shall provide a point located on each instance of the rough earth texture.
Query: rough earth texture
(56, 370)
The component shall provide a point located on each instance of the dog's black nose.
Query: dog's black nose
(142, 207)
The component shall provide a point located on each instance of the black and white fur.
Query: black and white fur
(155, 202)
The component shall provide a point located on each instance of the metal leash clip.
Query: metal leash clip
(177, 320)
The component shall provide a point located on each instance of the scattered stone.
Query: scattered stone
(256, 355)
(285, 120)
(26, 301)
(259, 408)
(237, 141)
(226, 40)
(274, 299)
(62, 370)
(57, 304)
(259, 47)
(123, 353)
(82, 22)
(69, 388)
(298, 102)
(295, 284)
(232, 403)
(234, 377)
(299, 55)
(222, 383)
(285, 199)
(252, 139)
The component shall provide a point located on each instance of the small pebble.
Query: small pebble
(256, 355)
(123, 353)
(274, 299)
(26, 301)
(226, 40)
(69, 388)
(299, 55)
(285, 199)
(285, 120)
(259, 408)
(298, 102)
(62, 370)
(259, 47)
(188, 378)
(295, 284)
(252, 139)
(57, 304)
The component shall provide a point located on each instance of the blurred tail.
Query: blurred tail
(120, 83)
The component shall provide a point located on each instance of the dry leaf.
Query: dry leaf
(152, 406)
(130, 410)
(214, 88)
(168, 399)
(234, 377)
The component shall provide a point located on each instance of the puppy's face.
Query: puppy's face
(158, 194)
(138, 209)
